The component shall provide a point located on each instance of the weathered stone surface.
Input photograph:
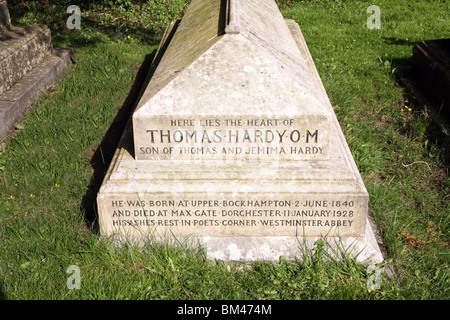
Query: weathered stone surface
(21, 49)
(364, 249)
(252, 248)
(240, 211)
(17, 99)
(234, 198)
(28, 65)
(252, 89)
(234, 144)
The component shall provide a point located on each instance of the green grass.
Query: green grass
(51, 166)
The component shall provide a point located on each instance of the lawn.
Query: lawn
(52, 166)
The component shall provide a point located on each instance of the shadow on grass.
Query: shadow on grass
(104, 153)
(77, 38)
(398, 41)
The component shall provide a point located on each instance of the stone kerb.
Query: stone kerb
(28, 65)
(21, 48)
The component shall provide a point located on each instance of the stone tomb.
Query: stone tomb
(234, 144)
(28, 65)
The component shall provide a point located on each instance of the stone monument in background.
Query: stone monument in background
(431, 65)
(234, 144)
(28, 65)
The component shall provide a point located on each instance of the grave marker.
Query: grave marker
(235, 143)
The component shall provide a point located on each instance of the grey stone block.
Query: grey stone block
(21, 49)
(15, 101)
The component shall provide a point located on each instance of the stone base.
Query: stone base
(18, 98)
(185, 199)
(28, 65)
(364, 249)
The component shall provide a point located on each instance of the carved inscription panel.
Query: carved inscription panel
(232, 138)
(219, 215)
